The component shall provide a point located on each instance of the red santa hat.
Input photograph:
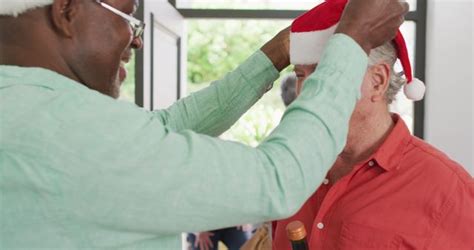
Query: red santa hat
(17, 7)
(311, 31)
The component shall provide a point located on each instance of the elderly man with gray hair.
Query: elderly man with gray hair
(387, 189)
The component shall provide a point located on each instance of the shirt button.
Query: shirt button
(326, 181)
(371, 163)
(320, 225)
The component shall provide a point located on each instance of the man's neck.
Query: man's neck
(362, 142)
(26, 43)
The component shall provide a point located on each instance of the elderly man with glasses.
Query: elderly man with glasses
(80, 170)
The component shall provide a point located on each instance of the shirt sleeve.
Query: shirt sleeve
(124, 170)
(215, 109)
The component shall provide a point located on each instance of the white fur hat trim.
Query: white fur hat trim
(17, 7)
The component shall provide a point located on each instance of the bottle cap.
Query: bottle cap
(295, 231)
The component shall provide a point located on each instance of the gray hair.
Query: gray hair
(388, 54)
(288, 88)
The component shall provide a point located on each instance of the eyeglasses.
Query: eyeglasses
(138, 27)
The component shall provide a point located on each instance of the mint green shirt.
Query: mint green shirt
(80, 170)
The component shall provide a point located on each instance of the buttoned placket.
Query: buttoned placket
(334, 193)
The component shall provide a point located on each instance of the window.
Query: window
(211, 57)
(414, 30)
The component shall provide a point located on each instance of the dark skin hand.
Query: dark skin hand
(370, 23)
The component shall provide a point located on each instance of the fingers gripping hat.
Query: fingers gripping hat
(17, 7)
(311, 31)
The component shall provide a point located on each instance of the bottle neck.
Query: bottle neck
(300, 245)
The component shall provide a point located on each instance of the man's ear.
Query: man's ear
(379, 81)
(62, 14)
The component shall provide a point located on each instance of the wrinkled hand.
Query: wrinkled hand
(203, 241)
(278, 49)
(371, 23)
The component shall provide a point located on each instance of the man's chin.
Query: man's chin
(115, 88)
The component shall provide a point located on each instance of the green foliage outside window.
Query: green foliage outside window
(216, 47)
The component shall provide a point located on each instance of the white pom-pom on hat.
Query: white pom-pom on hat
(17, 7)
(415, 90)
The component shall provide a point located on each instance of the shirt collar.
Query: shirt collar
(389, 155)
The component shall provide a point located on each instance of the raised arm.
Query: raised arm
(216, 108)
(155, 180)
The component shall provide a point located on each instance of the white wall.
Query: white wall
(449, 78)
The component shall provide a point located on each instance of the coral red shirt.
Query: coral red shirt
(408, 195)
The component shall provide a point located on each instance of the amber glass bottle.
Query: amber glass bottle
(297, 235)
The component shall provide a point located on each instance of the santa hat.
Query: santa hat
(311, 31)
(17, 7)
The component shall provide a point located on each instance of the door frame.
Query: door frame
(140, 59)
